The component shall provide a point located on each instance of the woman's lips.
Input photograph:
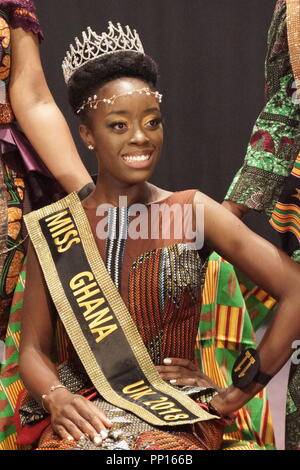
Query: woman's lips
(135, 160)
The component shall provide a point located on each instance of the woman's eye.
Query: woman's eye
(119, 126)
(154, 122)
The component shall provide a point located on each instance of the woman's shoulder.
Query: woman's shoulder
(162, 196)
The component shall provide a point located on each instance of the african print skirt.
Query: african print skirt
(217, 348)
(128, 432)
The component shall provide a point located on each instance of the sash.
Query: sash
(97, 320)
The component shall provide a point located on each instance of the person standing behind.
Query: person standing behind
(24, 95)
(27, 174)
(268, 181)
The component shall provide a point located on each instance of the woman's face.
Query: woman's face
(127, 135)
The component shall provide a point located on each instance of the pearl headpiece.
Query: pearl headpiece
(93, 102)
(93, 46)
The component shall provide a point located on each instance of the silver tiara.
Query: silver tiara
(93, 46)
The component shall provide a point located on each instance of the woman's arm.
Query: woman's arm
(39, 116)
(237, 209)
(71, 415)
(268, 267)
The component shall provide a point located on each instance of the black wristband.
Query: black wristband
(85, 190)
(246, 370)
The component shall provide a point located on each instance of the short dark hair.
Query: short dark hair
(91, 76)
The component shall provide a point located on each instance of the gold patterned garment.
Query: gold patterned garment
(129, 432)
(160, 280)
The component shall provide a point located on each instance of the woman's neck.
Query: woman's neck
(111, 194)
(143, 193)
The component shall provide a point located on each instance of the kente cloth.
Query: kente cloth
(176, 286)
(23, 176)
(226, 327)
(286, 220)
(269, 178)
(286, 214)
(285, 217)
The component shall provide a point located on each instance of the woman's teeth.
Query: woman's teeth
(136, 158)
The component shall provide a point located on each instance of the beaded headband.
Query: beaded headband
(93, 102)
(94, 46)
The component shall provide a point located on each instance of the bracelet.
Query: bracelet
(52, 389)
(212, 409)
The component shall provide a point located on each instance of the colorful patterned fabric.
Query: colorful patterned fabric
(225, 328)
(252, 430)
(11, 237)
(22, 14)
(275, 140)
(286, 215)
(269, 178)
(292, 440)
(128, 436)
(130, 432)
(6, 114)
(160, 280)
(10, 383)
(13, 14)
(286, 219)
(18, 162)
(162, 288)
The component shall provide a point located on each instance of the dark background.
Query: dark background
(211, 58)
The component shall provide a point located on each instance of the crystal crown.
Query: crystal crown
(93, 46)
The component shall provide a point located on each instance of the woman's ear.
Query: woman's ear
(87, 137)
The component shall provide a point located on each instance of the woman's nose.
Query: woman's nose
(139, 137)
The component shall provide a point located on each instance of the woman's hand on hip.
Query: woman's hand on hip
(183, 372)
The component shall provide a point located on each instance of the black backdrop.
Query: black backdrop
(211, 57)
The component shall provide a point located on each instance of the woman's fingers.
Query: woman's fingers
(101, 416)
(62, 432)
(172, 370)
(180, 379)
(192, 381)
(67, 429)
(170, 373)
(179, 362)
(183, 369)
(78, 426)
(80, 417)
(95, 417)
(175, 371)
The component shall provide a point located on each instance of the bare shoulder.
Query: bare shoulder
(158, 194)
(208, 202)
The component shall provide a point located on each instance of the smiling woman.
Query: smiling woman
(134, 110)
(130, 307)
